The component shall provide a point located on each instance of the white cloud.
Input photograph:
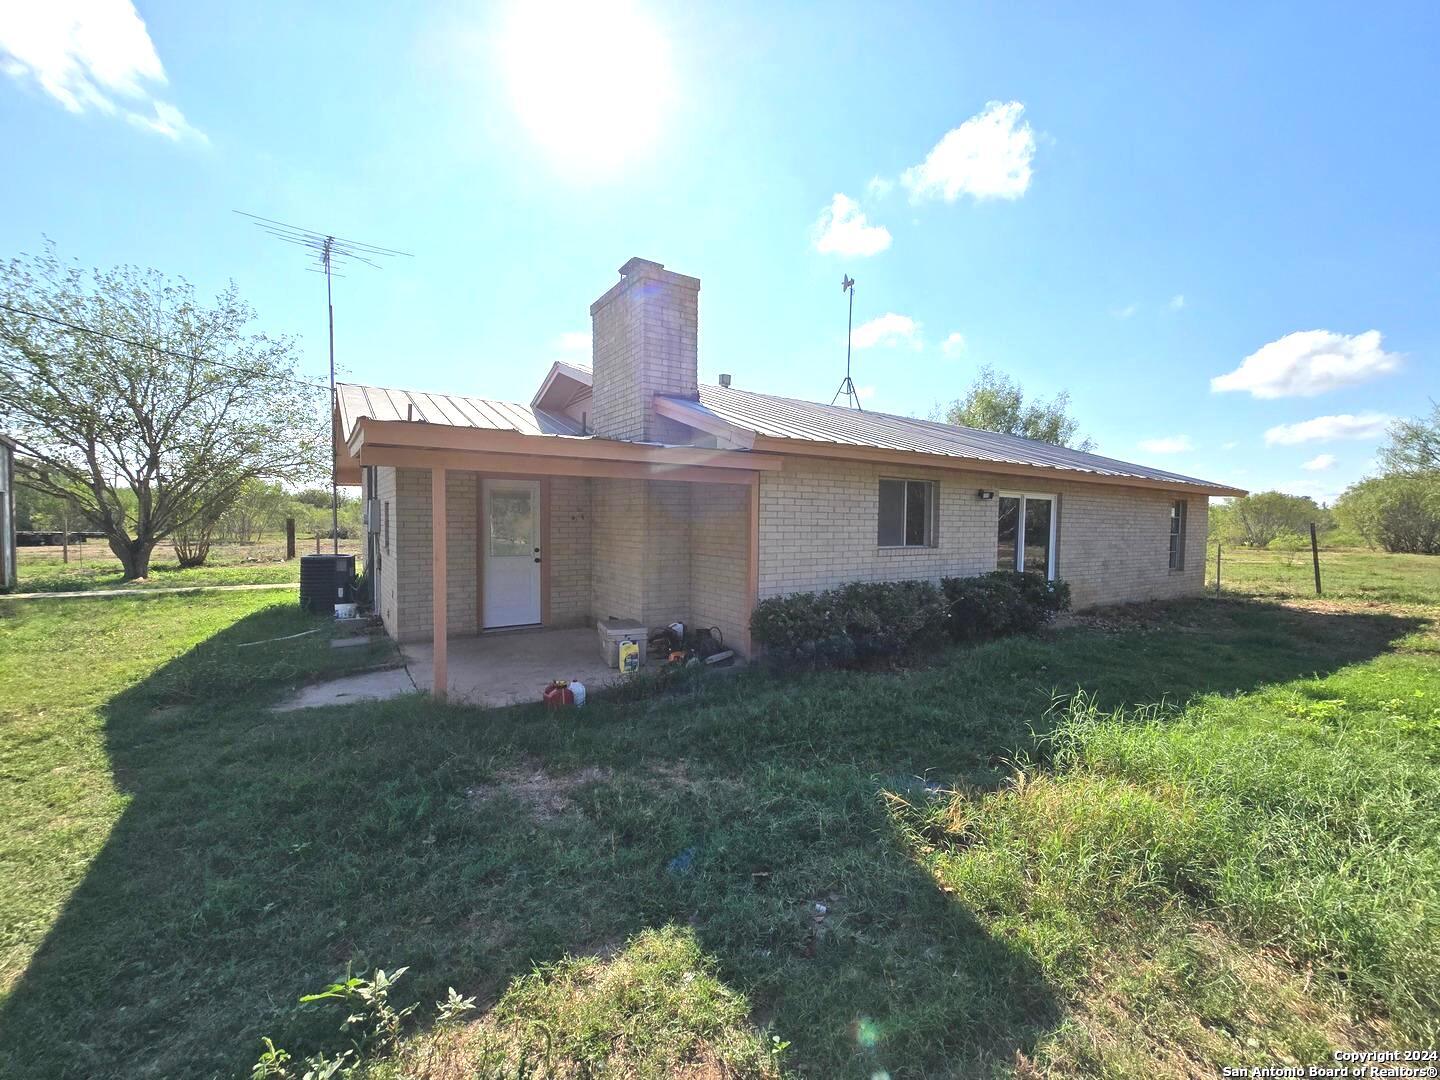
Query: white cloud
(91, 54)
(1177, 302)
(879, 187)
(986, 157)
(1229, 445)
(888, 330)
(844, 230)
(1326, 428)
(864, 393)
(1170, 444)
(953, 345)
(1309, 362)
(575, 341)
(1126, 311)
(1320, 462)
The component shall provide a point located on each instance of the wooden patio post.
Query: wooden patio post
(752, 567)
(440, 684)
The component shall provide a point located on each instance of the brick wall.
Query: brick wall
(818, 525)
(1115, 544)
(719, 558)
(414, 561)
(642, 559)
(617, 542)
(666, 553)
(406, 577)
(568, 553)
(645, 332)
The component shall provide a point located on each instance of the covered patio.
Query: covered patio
(510, 667)
(584, 528)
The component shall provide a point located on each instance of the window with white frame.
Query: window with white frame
(907, 513)
(1177, 535)
(1025, 537)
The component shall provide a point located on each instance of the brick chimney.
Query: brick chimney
(645, 330)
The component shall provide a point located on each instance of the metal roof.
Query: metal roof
(765, 414)
(789, 418)
(381, 403)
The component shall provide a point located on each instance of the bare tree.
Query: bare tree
(145, 407)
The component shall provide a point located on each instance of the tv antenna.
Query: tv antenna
(847, 385)
(328, 253)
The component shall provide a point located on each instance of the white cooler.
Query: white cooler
(613, 631)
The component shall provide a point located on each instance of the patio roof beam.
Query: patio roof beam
(533, 465)
(418, 436)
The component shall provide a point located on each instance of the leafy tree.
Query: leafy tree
(1398, 513)
(1257, 519)
(37, 511)
(259, 508)
(1414, 447)
(155, 427)
(995, 402)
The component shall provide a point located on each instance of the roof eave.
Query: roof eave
(852, 452)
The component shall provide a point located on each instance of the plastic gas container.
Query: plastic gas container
(629, 657)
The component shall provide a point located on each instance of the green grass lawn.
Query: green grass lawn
(933, 872)
(93, 566)
(1344, 575)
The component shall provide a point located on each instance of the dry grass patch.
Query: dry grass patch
(544, 797)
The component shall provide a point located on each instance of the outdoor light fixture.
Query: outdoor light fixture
(985, 494)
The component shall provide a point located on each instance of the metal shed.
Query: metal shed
(7, 514)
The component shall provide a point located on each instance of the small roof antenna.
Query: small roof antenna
(847, 386)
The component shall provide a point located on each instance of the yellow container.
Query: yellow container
(629, 657)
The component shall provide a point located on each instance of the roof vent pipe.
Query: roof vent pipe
(725, 381)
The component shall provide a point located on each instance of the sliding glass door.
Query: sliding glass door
(1026, 535)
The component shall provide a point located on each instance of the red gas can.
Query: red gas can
(557, 695)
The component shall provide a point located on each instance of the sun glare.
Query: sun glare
(591, 82)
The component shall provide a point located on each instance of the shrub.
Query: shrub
(1002, 602)
(858, 621)
(865, 621)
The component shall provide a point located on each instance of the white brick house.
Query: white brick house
(634, 492)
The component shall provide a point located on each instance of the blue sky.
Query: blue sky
(1128, 201)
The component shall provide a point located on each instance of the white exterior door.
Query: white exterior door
(511, 582)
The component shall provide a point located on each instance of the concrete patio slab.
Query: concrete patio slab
(512, 667)
(366, 686)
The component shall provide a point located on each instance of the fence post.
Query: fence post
(317, 541)
(1315, 557)
(289, 539)
(1217, 569)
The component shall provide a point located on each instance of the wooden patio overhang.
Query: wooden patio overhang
(496, 453)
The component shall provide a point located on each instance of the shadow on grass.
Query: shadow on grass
(260, 853)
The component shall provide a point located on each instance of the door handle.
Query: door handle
(537, 558)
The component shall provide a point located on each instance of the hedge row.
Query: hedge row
(868, 620)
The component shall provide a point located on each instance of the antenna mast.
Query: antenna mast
(847, 386)
(329, 252)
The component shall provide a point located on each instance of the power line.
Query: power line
(134, 344)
